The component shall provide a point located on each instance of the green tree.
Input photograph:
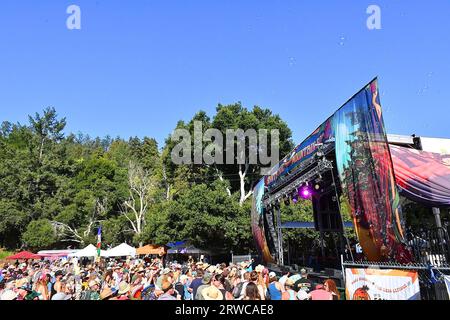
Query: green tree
(39, 234)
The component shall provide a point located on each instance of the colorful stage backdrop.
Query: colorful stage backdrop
(366, 174)
(367, 177)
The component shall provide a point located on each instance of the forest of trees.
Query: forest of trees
(56, 188)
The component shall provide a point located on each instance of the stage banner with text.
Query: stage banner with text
(376, 284)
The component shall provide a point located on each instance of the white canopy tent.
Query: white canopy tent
(121, 250)
(89, 251)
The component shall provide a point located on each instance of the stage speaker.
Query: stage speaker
(326, 212)
(271, 233)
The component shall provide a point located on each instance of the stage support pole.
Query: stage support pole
(437, 217)
(280, 238)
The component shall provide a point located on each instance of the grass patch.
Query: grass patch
(4, 254)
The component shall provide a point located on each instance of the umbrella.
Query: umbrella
(24, 255)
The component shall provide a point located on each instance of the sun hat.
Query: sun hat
(61, 296)
(211, 269)
(289, 282)
(165, 271)
(166, 285)
(22, 282)
(206, 278)
(106, 292)
(9, 295)
(212, 293)
(183, 277)
(124, 287)
(259, 268)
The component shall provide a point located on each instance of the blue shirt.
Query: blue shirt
(275, 294)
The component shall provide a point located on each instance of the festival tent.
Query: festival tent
(89, 251)
(23, 255)
(188, 250)
(422, 176)
(121, 250)
(151, 249)
(56, 253)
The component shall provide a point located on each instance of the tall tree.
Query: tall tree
(142, 187)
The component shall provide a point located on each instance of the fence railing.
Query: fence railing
(430, 247)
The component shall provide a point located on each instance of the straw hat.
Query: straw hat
(205, 265)
(212, 293)
(21, 282)
(211, 269)
(124, 287)
(289, 282)
(106, 292)
(259, 268)
(8, 295)
(166, 285)
(61, 296)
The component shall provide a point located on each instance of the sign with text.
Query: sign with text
(376, 284)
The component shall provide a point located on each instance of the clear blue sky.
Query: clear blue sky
(137, 67)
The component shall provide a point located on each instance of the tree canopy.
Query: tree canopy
(57, 188)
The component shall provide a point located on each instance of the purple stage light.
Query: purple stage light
(305, 192)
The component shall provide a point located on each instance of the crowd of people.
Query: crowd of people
(150, 279)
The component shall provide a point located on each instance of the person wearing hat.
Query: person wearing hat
(303, 283)
(92, 292)
(164, 274)
(106, 293)
(221, 283)
(259, 268)
(212, 293)
(196, 282)
(61, 296)
(122, 293)
(9, 295)
(168, 290)
(289, 293)
(275, 289)
(206, 281)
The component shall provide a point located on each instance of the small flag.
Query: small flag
(99, 241)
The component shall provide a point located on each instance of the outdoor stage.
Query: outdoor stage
(350, 167)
